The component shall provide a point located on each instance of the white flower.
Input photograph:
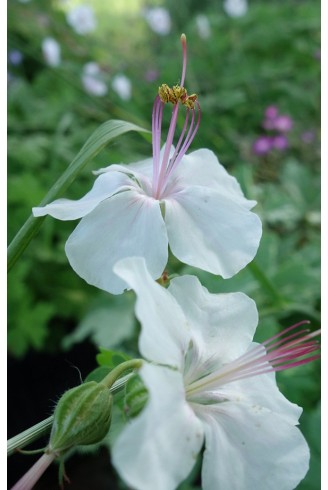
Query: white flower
(93, 80)
(235, 8)
(158, 19)
(51, 51)
(122, 86)
(189, 201)
(82, 19)
(203, 26)
(210, 383)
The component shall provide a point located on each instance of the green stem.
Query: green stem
(97, 141)
(265, 282)
(117, 372)
(36, 431)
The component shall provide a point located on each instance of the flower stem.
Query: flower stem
(117, 372)
(265, 282)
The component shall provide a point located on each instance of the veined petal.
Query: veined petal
(125, 225)
(104, 187)
(251, 448)
(165, 334)
(222, 325)
(262, 390)
(158, 449)
(201, 167)
(140, 168)
(208, 230)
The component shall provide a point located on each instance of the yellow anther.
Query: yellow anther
(176, 94)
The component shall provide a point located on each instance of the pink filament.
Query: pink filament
(270, 356)
(163, 169)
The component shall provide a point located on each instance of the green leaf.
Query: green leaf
(108, 323)
(111, 358)
(97, 141)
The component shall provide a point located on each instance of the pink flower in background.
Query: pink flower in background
(151, 75)
(279, 142)
(307, 137)
(283, 123)
(210, 384)
(262, 145)
(271, 112)
(188, 201)
(277, 125)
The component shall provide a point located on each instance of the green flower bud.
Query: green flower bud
(136, 396)
(82, 416)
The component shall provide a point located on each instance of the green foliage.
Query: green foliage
(268, 57)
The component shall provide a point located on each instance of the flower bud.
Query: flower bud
(136, 396)
(82, 416)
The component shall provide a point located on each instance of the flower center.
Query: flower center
(177, 95)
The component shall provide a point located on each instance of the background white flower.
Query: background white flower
(235, 8)
(51, 51)
(203, 26)
(82, 19)
(121, 84)
(220, 389)
(93, 79)
(158, 19)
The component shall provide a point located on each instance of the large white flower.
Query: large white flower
(219, 390)
(189, 201)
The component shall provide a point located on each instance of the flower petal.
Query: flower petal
(208, 230)
(262, 390)
(222, 325)
(105, 186)
(251, 448)
(165, 334)
(127, 224)
(158, 449)
(201, 167)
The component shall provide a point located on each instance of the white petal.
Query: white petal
(158, 449)
(208, 230)
(125, 225)
(165, 335)
(201, 167)
(251, 448)
(222, 325)
(142, 168)
(105, 186)
(262, 390)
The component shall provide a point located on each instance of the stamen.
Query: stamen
(284, 353)
(176, 95)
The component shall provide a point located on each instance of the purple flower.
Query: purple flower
(262, 145)
(307, 137)
(151, 75)
(271, 112)
(279, 142)
(15, 57)
(283, 123)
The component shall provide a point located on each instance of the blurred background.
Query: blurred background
(73, 65)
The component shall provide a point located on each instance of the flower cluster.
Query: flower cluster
(277, 125)
(209, 384)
